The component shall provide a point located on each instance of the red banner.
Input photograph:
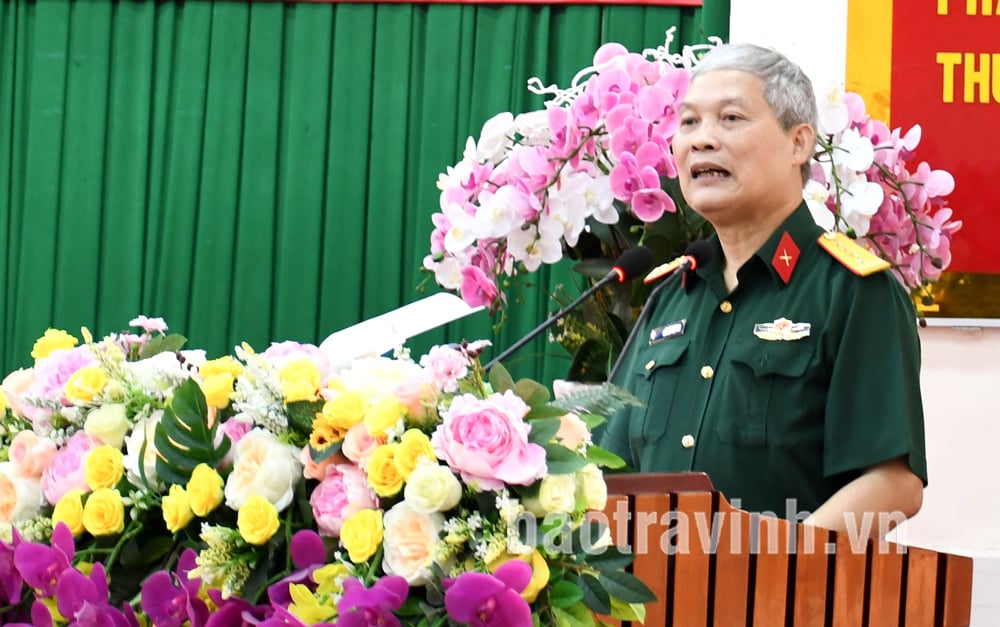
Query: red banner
(946, 77)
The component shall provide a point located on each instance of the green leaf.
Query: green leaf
(574, 616)
(590, 361)
(635, 612)
(544, 411)
(626, 587)
(183, 438)
(593, 420)
(595, 267)
(500, 379)
(162, 344)
(594, 595)
(543, 430)
(301, 415)
(561, 460)
(565, 594)
(532, 392)
(605, 400)
(610, 558)
(321, 455)
(604, 458)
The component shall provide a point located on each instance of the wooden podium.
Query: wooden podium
(711, 564)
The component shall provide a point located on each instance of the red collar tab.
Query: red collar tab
(785, 257)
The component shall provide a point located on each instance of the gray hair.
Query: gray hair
(787, 89)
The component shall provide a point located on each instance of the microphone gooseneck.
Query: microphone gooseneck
(632, 263)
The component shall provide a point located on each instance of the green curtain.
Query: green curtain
(262, 171)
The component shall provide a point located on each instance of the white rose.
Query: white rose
(593, 489)
(556, 494)
(158, 373)
(265, 466)
(409, 539)
(432, 488)
(142, 434)
(108, 424)
(20, 497)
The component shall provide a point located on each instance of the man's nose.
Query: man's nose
(704, 136)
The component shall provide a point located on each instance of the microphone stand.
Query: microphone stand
(611, 276)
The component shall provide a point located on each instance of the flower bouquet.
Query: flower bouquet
(592, 174)
(146, 484)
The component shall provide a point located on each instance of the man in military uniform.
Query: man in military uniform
(787, 366)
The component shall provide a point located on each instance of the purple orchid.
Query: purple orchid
(483, 600)
(308, 554)
(40, 617)
(167, 604)
(361, 607)
(41, 565)
(11, 580)
(84, 600)
(236, 612)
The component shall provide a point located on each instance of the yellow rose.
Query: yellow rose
(300, 380)
(361, 534)
(414, 446)
(176, 509)
(217, 389)
(344, 411)
(539, 572)
(592, 490)
(383, 415)
(104, 513)
(222, 365)
(104, 467)
(556, 494)
(85, 384)
(69, 510)
(3, 403)
(257, 520)
(383, 475)
(54, 339)
(205, 490)
(108, 424)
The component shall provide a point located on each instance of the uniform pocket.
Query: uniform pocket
(656, 380)
(761, 371)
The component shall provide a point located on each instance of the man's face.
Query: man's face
(735, 161)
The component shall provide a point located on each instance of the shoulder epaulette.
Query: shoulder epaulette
(851, 254)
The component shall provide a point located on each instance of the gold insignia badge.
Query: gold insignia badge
(853, 255)
(781, 330)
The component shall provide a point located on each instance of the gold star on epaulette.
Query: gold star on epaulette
(853, 255)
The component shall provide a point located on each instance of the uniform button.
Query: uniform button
(725, 306)
(687, 441)
(650, 364)
(707, 372)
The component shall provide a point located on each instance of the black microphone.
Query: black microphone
(698, 253)
(628, 266)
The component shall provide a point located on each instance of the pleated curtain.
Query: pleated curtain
(263, 171)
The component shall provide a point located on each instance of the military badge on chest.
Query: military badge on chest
(667, 331)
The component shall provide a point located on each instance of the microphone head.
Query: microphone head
(700, 252)
(632, 263)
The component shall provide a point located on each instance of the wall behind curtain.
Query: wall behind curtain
(260, 171)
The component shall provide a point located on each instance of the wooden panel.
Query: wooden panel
(921, 587)
(810, 576)
(958, 593)
(732, 566)
(650, 535)
(658, 482)
(886, 586)
(691, 562)
(771, 591)
(849, 583)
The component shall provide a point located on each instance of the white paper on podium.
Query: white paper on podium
(378, 335)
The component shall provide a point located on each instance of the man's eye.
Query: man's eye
(730, 117)
(687, 121)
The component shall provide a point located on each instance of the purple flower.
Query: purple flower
(235, 612)
(84, 600)
(11, 580)
(169, 605)
(40, 617)
(483, 600)
(308, 553)
(361, 607)
(41, 565)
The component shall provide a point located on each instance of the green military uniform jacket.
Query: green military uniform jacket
(786, 388)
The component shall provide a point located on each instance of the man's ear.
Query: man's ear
(803, 143)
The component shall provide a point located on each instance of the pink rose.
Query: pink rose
(30, 455)
(486, 441)
(15, 386)
(358, 443)
(446, 367)
(341, 493)
(67, 470)
(52, 373)
(417, 394)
